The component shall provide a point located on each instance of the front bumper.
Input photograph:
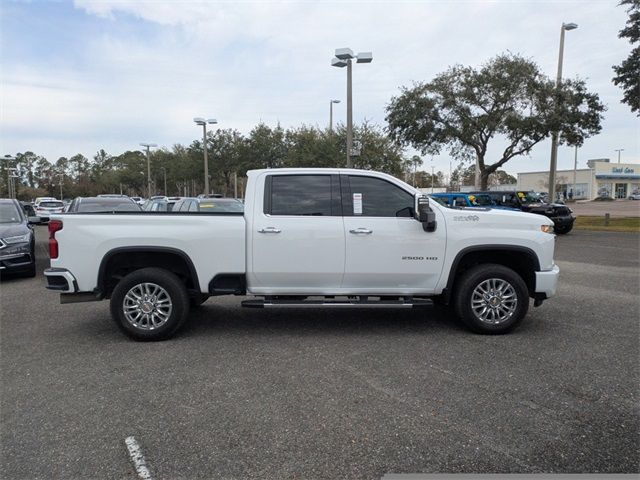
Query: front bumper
(547, 282)
(61, 280)
(15, 261)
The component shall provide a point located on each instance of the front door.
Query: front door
(621, 190)
(387, 250)
(298, 239)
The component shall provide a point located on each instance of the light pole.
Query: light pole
(619, 150)
(164, 170)
(554, 135)
(343, 59)
(203, 122)
(575, 168)
(61, 178)
(331, 102)
(432, 176)
(148, 146)
(9, 158)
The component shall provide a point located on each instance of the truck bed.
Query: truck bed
(216, 240)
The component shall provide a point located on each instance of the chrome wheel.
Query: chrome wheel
(494, 301)
(147, 306)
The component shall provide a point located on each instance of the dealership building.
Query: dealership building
(601, 179)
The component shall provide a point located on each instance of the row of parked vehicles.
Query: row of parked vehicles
(529, 202)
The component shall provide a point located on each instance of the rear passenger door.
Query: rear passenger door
(298, 236)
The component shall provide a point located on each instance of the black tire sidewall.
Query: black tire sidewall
(467, 284)
(176, 291)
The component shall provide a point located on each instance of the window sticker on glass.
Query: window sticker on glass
(357, 204)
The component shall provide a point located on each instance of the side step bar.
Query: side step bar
(361, 302)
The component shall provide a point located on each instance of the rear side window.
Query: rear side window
(374, 197)
(301, 195)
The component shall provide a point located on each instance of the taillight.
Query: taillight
(54, 226)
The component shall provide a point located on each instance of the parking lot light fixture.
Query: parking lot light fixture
(148, 146)
(202, 122)
(344, 58)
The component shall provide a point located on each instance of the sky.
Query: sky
(79, 76)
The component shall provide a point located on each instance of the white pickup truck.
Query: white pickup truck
(307, 238)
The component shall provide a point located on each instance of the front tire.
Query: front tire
(563, 229)
(150, 304)
(491, 299)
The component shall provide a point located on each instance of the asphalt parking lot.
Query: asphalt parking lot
(352, 394)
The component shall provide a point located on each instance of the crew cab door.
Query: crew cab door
(298, 235)
(387, 250)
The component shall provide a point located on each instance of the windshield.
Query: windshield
(221, 206)
(51, 204)
(530, 197)
(9, 213)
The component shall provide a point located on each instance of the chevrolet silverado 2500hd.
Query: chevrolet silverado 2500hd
(307, 237)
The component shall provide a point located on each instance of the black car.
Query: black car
(17, 240)
(530, 202)
(102, 204)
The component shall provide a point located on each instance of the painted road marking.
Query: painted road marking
(135, 452)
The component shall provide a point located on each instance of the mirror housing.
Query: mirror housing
(424, 214)
(34, 220)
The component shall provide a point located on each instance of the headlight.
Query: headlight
(18, 239)
(546, 228)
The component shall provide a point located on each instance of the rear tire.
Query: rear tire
(491, 299)
(150, 304)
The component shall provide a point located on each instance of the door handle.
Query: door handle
(361, 231)
(269, 230)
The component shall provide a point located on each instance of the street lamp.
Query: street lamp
(203, 122)
(342, 59)
(331, 102)
(554, 135)
(148, 146)
(619, 150)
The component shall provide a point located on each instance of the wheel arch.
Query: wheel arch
(522, 260)
(121, 261)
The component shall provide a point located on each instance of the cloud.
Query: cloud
(144, 69)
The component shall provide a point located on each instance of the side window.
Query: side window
(184, 206)
(374, 197)
(193, 206)
(459, 202)
(298, 195)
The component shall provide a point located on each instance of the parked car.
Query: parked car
(309, 237)
(17, 240)
(47, 207)
(158, 205)
(28, 209)
(634, 196)
(209, 205)
(210, 195)
(530, 202)
(139, 200)
(42, 199)
(468, 200)
(103, 204)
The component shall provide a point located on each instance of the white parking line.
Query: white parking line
(135, 452)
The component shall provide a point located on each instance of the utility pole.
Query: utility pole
(575, 168)
(148, 146)
(619, 150)
(61, 180)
